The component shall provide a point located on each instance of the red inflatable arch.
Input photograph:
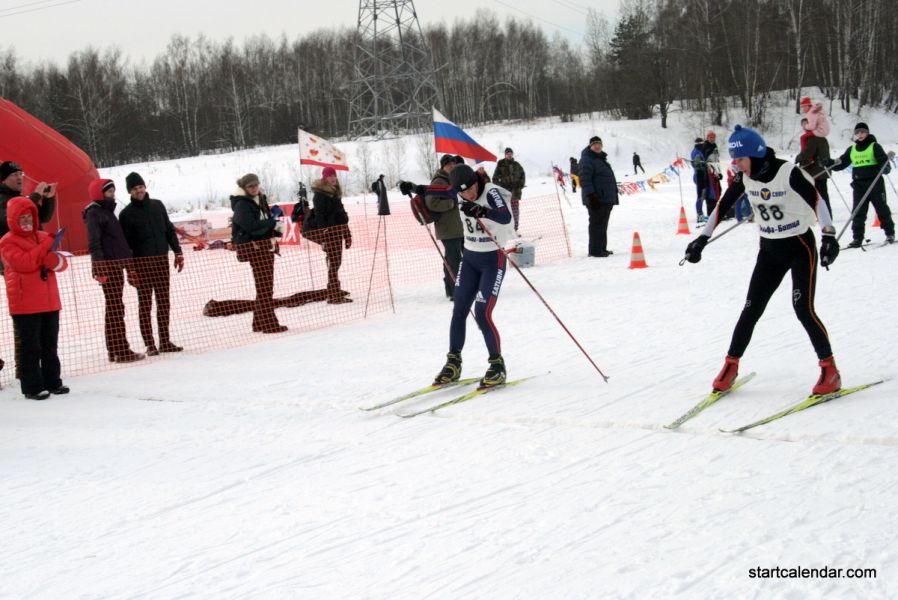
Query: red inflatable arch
(47, 155)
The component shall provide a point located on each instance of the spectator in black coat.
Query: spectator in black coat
(150, 234)
(110, 258)
(380, 190)
(253, 228)
(637, 164)
(598, 189)
(815, 151)
(328, 225)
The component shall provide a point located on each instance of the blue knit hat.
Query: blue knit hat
(746, 142)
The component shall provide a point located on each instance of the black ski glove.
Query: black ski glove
(829, 249)
(474, 210)
(695, 247)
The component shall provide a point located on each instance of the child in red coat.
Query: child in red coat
(30, 271)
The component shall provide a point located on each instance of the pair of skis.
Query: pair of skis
(812, 400)
(479, 391)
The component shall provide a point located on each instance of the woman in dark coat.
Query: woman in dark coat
(253, 228)
(327, 224)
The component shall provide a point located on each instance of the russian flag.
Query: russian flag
(449, 138)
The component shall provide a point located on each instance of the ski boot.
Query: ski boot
(830, 380)
(727, 375)
(890, 239)
(495, 374)
(451, 371)
(856, 243)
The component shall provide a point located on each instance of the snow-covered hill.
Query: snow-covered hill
(250, 473)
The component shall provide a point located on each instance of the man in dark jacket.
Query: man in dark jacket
(448, 225)
(510, 174)
(253, 228)
(637, 164)
(110, 257)
(598, 188)
(810, 159)
(150, 235)
(868, 158)
(380, 190)
(11, 181)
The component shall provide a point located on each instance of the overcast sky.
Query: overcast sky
(53, 29)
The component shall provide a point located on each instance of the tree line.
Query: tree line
(201, 95)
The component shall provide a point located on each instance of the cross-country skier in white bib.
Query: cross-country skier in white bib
(481, 272)
(786, 206)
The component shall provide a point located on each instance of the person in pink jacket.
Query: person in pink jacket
(33, 296)
(817, 124)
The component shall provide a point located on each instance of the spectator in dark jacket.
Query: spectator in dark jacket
(598, 188)
(700, 177)
(33, 298)
(575, 174)
(150, 234)
(253, 228)
(816, 150)
(380, 190)
(328, 225)
(510, 175)
(448, 227)
(12, 178)
(110, 258)
(637, 164)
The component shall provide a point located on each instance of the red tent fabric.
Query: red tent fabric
(47, 155)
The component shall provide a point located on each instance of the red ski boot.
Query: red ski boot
(830, 380)
(727, 374)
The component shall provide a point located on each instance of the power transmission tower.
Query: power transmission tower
(394, 84)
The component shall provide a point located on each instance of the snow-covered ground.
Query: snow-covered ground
(250, 473)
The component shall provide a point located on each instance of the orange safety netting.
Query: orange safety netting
(227, 297)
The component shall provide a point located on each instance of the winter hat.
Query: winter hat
(507, 150)
(7, 168)
(248, 180)
(132, 180)
(328, 172)
(698, 140)
(462, 177)
(446, 159)
(595, 140)
(97, 187)
(861, 127)
(745, 141)
(805, 101)
(458, 159)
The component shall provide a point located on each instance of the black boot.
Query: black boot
(451, 371)
(495, 374)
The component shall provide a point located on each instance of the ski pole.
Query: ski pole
(543, 300)
(866, 195)
(719, 235)
(827, 171)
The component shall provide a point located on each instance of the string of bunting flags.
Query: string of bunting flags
(643, 185)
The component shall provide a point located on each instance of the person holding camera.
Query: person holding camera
(12, 179)
(328, 225)
(33, 297)
(255, 229)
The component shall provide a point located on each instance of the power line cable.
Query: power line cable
(569, 7)
(516, 9)
(4, 12)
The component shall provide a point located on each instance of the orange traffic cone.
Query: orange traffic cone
(876, 222)
(637, 259)
(683, 225)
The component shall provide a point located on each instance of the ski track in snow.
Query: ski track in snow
(252, 473)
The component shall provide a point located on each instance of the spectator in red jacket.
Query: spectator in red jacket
(30, 272)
